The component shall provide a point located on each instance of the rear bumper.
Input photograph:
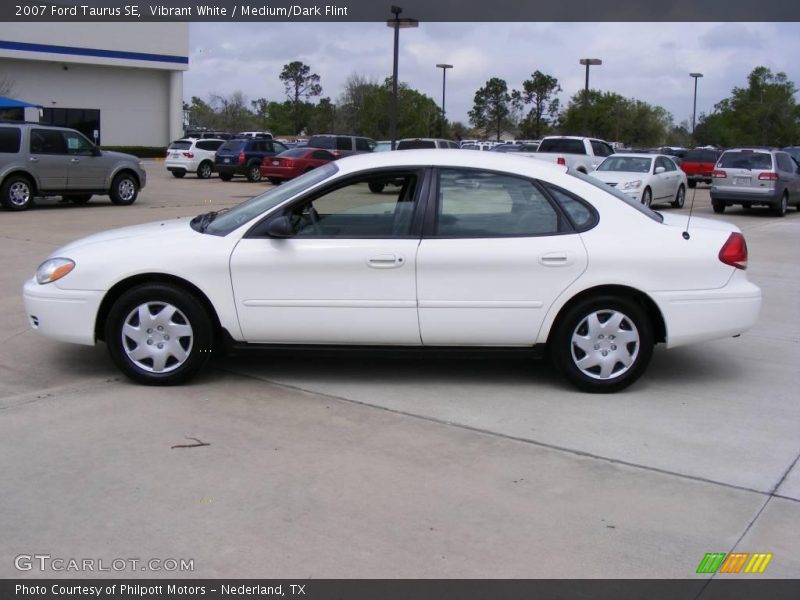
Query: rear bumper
(279, 172)
(768, 196)
(702, 315)
(177, 165)
(64, 315)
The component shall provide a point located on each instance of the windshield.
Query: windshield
(626, 164)
(226, 222)
(619, 195)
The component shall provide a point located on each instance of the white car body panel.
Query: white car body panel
(452, 292)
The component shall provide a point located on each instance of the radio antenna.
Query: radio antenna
(685, 234)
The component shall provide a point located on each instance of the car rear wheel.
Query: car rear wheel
(719, 207)
(603, 344)
(78, 198)
(178, 174)
(17, 193)
(254, 173)
(647, 197)
(680, 197)
(124, 189)
(226, 176)
(159, 334)
(779, 210)
(204, 170)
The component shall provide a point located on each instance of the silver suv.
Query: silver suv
(754, 176)
(42, 160)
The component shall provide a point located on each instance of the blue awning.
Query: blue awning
(6, 102)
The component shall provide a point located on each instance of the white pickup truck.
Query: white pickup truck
(578, 153)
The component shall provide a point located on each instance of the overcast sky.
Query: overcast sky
(647, 61)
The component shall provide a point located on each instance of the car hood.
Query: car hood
(680, 221)
(617, 176)
(179, 226)
(121, 156)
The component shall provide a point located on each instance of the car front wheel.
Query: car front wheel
(603, 344)
(124, 189)
(159, 334)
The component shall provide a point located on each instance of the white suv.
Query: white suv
(191, 155)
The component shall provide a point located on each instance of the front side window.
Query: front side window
(371, 206)
(482, 204)
(47, 141)
(77, 144)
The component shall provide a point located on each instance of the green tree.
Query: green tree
(301, 84)
(763, 113)
(538, 91)
(491, 109)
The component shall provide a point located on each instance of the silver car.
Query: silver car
(42, 160)
(753, 177)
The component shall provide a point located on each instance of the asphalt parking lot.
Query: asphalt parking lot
(396, 466)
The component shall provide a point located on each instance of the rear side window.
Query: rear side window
(784, 162)
(322, 155)
(9, 140)
(343, 143)
(565, 146)
(326, 142)
(47, 141)
(364, 145)
(211, 145)
(746, 160)
(582, 216)
(480, 204)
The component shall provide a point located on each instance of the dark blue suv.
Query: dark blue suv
(244, 156)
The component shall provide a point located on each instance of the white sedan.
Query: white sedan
(458, 249)
(647, 178)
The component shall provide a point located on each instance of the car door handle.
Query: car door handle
(75, 160)
(385, 261)
(33, 159)
(555, 259)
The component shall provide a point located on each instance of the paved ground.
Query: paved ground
(397, 466)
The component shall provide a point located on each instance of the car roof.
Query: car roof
(636, 155)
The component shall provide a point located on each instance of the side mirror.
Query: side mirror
(96, 151)
(280, 227)
(660, 170)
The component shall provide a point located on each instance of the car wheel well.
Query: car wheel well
(126, 284)
(622, 291)
(127, 172)
(31, 179)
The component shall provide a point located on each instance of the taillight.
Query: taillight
(561, 161)
(286, 162)
(734, 251)
(336, 154)
(718, 174)
(768, 176)
(241, 157)
(188, 154)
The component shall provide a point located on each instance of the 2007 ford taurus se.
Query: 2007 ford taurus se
(416, 248)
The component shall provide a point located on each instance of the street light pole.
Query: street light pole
(444, 68)
(397, 23)
(696, 76)
(588, 62)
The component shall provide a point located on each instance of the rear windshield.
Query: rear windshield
(233, 146)
(180, 145)
(746, 160)
(415, 144)
(564, 146)
(294, 152)
(704, 156)
(326, 142)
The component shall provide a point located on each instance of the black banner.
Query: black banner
(425, 589)
(422, 10)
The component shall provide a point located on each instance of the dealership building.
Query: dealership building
(121, 84)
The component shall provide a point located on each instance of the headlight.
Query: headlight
(53, 269)
(631, 185)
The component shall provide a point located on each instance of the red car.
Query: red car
(698, 165)
(294, 162)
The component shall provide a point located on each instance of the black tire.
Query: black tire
(78, 198)
(178, 174)
(779, 210)
(647, 196)
(691, 183)
(197, 345)
(205, 169)
(226, 176)
(633, 323)
(719, 207)
(680, 197)
(274, 180)
(17, 193)
(376, 188)
(254, 172)
(124, 189)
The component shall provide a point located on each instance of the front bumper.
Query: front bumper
(702, 315)
(63, 315)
